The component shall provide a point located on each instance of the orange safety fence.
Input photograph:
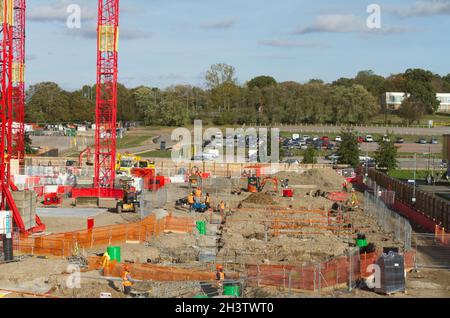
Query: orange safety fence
(151, 272)
(314, 277)
(442, 235)
(64, 244)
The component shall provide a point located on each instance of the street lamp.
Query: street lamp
(415, 171)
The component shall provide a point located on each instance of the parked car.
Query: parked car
(333, 157)
(338, 139)
(422, 141)
(315, 138)
(434, 141)
(331, 146)
(369, 138)
(400, 140)
(386, 138)
(360, 139)
(325, 138)
(292, 161)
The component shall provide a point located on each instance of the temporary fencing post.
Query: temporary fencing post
(320, 274)
(290, 283)
(257, 275)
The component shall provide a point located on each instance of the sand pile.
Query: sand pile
(260, 199)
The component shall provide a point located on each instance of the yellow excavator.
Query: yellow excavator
(126, 162)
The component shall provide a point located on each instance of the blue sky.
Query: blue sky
(167, 42)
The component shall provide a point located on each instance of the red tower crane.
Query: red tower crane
(6, 109)
(18, 80)
(12, 41)
(106, 103)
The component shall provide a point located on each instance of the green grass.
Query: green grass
(131, 141)
(408, 174)
(156, 154)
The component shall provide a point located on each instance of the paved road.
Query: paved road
(68, 212)
(438, 131)
(407, 148)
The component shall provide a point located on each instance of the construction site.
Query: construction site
(108, 224)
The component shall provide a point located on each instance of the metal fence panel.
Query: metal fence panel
(389, 220)
(432, 251)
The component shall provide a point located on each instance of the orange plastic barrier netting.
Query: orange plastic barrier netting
(64, 244)
(442, 235)
(313, 277)
(149, 272)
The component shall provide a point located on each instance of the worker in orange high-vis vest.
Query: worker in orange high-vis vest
(208, 201)
(198, 194)
(190, 201)
(222, 210)
(220, 276)
(127, 280)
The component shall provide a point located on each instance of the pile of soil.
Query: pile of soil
(260, 199)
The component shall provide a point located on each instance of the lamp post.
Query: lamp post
(415, 171)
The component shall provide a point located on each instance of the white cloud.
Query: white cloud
(219, 24)
(423, 8)
(344, 23)
(57, 12)
(290, 44)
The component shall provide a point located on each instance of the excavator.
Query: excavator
(255, 184)
(130, 201)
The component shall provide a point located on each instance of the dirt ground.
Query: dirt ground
(246, 238)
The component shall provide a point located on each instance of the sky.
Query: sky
(169, 42)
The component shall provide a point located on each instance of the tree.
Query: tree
(310, 156)
(386, 155)
(419, 86)
(351, 104)
(349, 150)
(48, 103)
(28, 144)
(373, 83)
(262, 82)
(412, 110)
(220, 74)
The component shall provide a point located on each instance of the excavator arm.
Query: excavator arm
(264, 182)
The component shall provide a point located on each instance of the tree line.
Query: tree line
(261, 100)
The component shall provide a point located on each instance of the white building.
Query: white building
(445, 102)
(393, 101)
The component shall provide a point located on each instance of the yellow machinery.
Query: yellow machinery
(126, 162)
(130, 201)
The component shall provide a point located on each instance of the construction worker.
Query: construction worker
(345, 187)
(191, 201)
(127, 281)
(105, 262)
(208, 201)
(220, 276)
(222, 209)
(198, 194)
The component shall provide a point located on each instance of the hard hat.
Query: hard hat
(126, 267)
(219, 267)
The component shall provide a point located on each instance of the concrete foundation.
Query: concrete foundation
(26, 204)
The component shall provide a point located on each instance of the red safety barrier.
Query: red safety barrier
(414, 216)
(97, 193)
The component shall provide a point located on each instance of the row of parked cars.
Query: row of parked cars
(304, 142)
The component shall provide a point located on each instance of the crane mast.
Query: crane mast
(106, 97)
